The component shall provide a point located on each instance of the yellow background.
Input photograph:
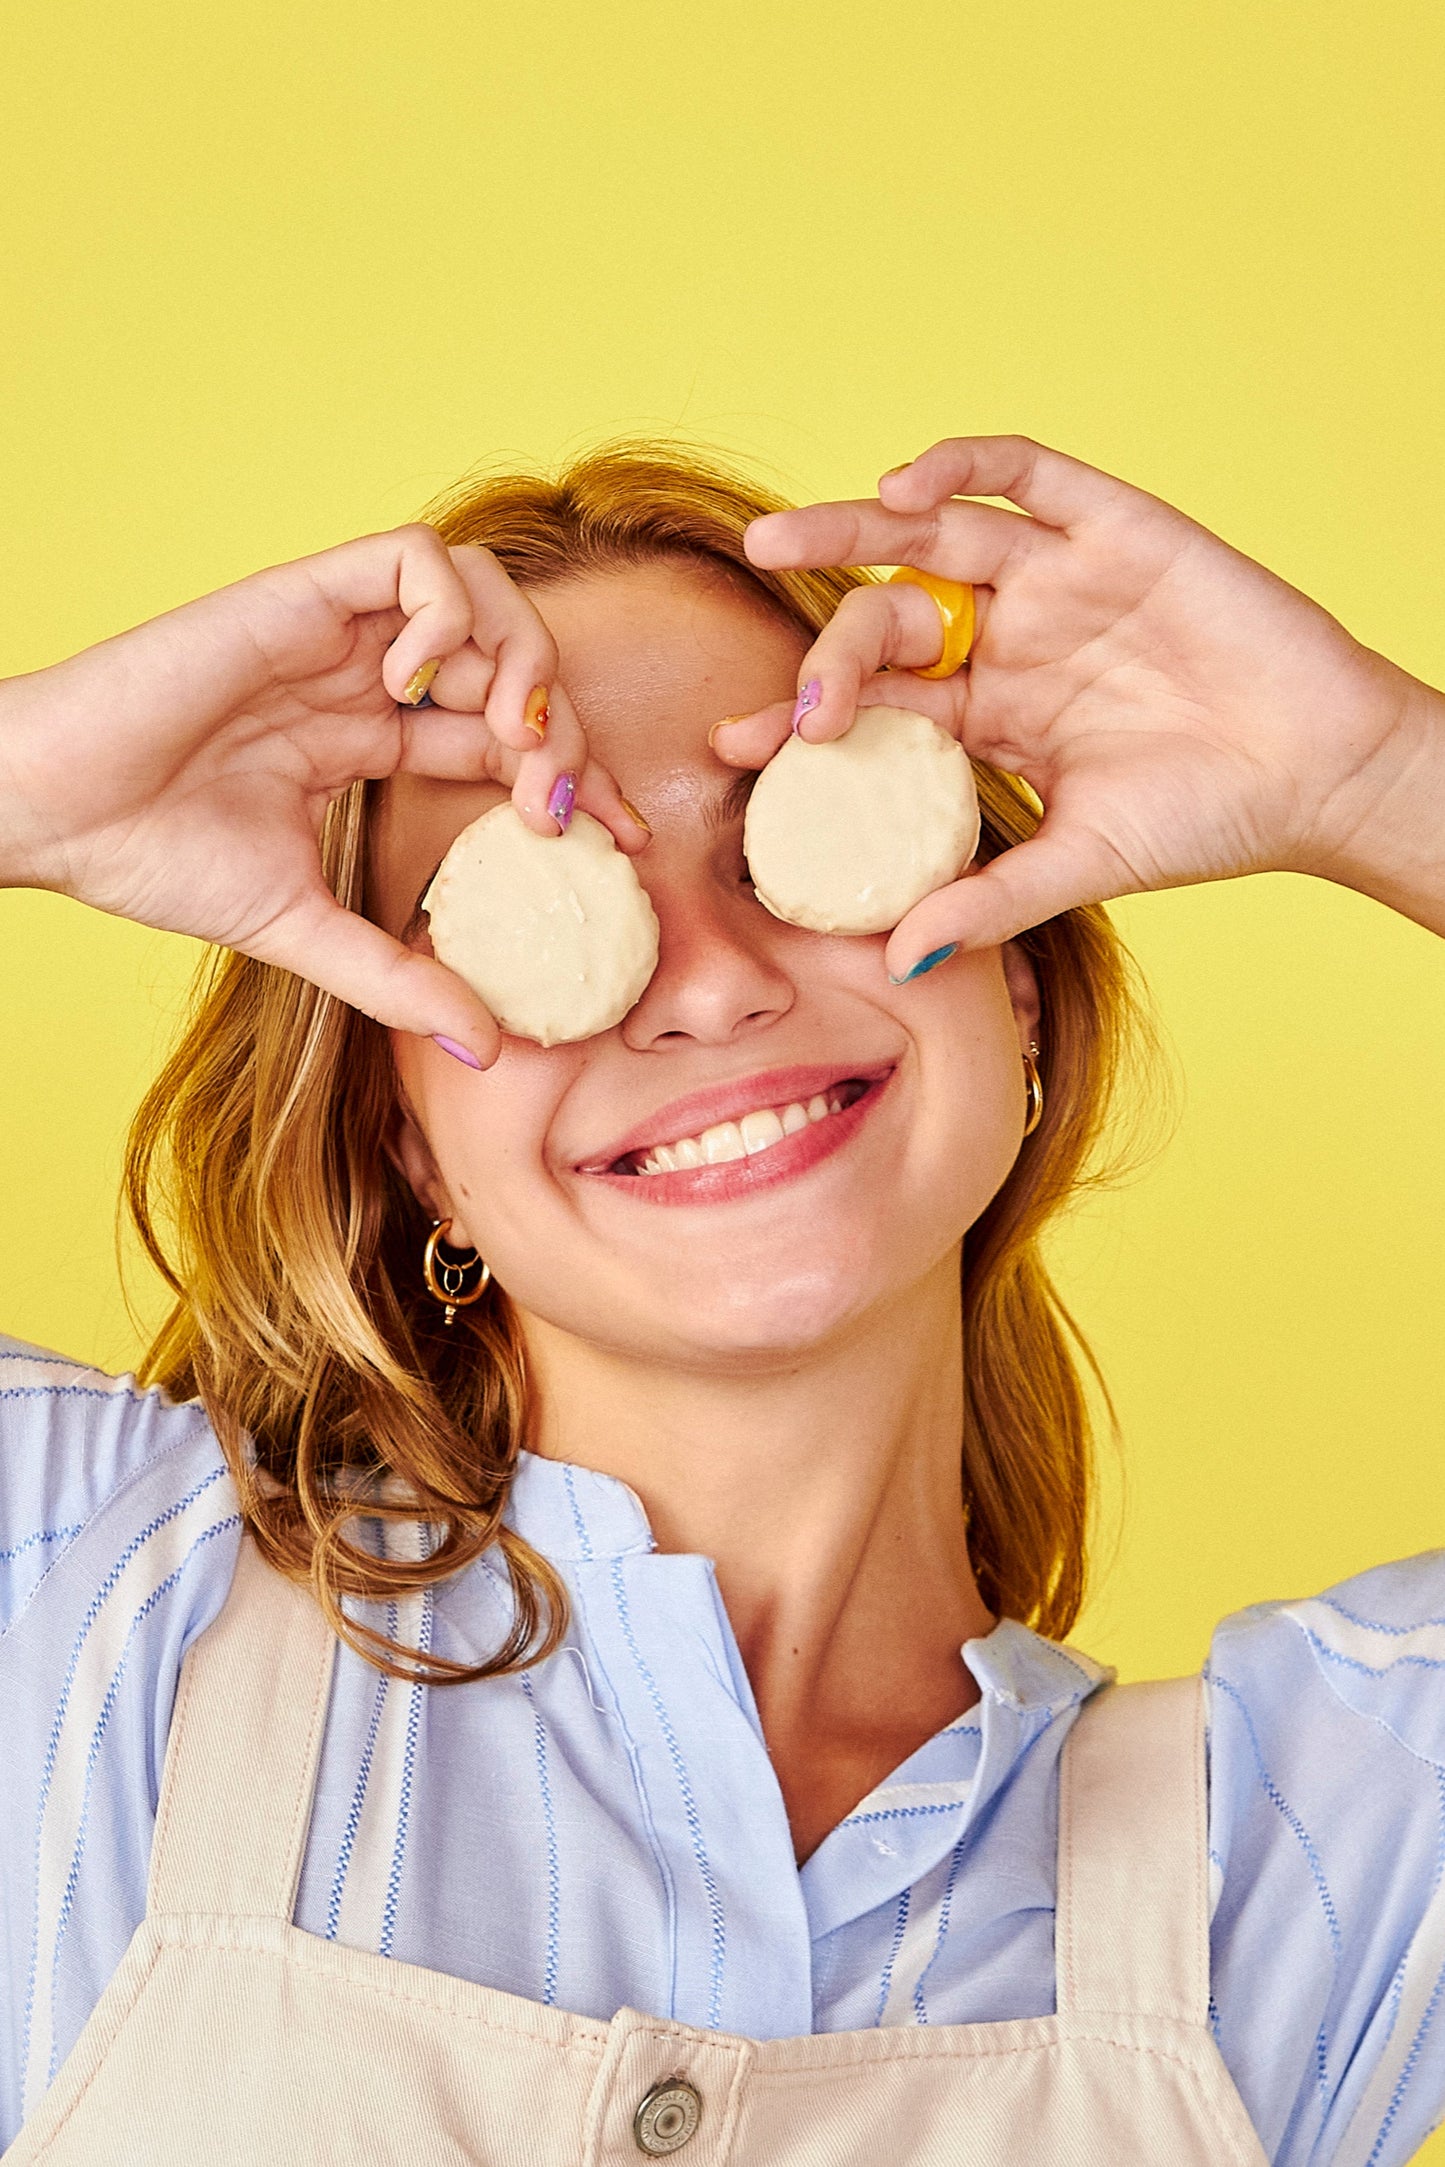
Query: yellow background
(273, 273)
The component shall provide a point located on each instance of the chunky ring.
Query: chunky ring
(953, 599)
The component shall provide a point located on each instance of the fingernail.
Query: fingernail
(925, 963)
(458, 1053)
(536, 714)
(810, 697)
(633, 814)
(894, 470)
(712, 733)
(562, 799)
(414, 693)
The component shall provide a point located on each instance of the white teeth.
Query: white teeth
(761, 1129)
(757, 1131)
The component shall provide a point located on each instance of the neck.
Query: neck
(827, 1491)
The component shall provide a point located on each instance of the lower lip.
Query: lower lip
(732, 1178)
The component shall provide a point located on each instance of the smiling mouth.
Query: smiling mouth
(751, 1136)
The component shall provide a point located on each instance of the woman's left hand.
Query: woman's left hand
(1182, 714)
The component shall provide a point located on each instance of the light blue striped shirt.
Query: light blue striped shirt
(607, 1828)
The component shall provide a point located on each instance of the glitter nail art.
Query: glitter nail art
(810, 697)
(562, 799)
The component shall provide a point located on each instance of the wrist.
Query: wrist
(1382, 830)
(25, 860)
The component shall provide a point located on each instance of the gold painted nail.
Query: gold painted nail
(712, 733)
(536, 714)
(419, 684)
(633, 814)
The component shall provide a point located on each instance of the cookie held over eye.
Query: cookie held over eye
(555, 933)
(846, 837)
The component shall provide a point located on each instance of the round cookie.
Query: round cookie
(846, 837)
(555, 933)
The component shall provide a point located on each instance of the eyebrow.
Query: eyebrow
(728, 807)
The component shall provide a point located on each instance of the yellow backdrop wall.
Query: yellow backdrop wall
(273, 273)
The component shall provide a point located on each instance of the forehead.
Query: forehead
(654, 654)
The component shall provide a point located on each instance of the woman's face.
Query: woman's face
(913, 1094)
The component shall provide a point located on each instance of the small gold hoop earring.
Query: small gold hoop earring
(446, 1277)
(1034, 1089)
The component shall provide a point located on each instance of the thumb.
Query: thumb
(1019, 888)
(348, 956)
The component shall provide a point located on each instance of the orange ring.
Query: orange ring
(953, 599)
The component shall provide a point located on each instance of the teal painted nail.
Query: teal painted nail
(925, 963)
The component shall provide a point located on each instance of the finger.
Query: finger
(1050, 486)
(465, 680)
(1020, 888)
(751, 740)
(545, 789)
(453, 748)
(348, 956)
(961, 541)
(509, 629)
(408, 569)
(874, 628)
(598, 794)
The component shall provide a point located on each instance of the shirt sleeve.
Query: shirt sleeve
(119, 1532)
(1327, 1844)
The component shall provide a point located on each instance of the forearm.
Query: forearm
(1387, 830)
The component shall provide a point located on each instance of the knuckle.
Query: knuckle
(416, 534)
(859, 609)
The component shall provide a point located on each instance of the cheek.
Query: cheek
(484, 1133)
(970, 1077)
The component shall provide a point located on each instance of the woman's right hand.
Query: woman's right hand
(179, 774)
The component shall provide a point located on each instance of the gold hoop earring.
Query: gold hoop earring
(1034, 1089)
(446, 1277)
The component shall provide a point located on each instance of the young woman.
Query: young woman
(555, 1660)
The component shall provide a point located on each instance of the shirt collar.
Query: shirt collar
(575, 1516)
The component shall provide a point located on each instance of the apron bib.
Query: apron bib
(229, 2038)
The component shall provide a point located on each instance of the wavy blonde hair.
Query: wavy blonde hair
(292, 1245)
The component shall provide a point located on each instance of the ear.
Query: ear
(1023, 993)
(410, 1153)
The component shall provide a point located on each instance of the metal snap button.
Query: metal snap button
(666, 2117)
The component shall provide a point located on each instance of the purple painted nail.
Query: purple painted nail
(458, 1053)
(562, 800)
(810, 697)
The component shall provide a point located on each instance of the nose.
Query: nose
(719, 975)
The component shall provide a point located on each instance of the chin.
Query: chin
(764, 1316)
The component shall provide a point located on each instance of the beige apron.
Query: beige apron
(228, 2038)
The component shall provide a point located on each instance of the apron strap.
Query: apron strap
(244, 1744)
(1132, 1921)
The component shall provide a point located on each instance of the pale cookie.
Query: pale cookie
(555, 933)
(846, 837)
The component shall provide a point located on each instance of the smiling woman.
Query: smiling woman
(298, 1189)
(559, 1655)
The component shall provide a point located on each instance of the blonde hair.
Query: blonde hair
(293, 1245)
